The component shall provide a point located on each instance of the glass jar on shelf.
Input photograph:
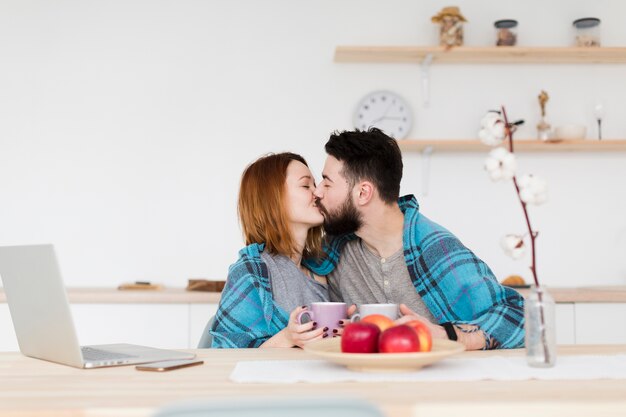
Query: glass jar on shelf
(587, 32)
(506, 32)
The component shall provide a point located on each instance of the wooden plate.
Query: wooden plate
(330, 349)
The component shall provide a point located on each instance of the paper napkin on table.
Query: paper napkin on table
(500, 368)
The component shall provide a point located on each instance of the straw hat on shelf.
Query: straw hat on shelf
(448, 11)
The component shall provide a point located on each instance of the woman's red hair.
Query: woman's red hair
(263, 211)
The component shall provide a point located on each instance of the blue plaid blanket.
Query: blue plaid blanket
(247, 315)
(455, 284)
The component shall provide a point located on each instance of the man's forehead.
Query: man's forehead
(332, 167)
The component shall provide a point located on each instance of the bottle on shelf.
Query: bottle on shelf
(544, 130)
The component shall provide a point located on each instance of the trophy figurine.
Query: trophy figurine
(543, 127)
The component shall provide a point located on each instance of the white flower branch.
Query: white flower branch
(501, 164)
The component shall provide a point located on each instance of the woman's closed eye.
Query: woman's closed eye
(309, 186)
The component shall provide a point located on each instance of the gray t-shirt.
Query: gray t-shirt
(290, 287)
(361, 277)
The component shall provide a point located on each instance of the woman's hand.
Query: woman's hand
(339, 331)
(301, 334)
(295, 334)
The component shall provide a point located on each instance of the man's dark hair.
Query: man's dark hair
(369, 155)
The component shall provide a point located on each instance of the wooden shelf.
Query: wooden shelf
(521, 145)
(482, 55)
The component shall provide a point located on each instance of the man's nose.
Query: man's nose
(318, 192)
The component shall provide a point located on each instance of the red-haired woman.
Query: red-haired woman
(268, 285)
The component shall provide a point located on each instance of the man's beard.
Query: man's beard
(346, 219)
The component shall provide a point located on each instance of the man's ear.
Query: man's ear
(365, 193)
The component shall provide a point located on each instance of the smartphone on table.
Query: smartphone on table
(168, 365)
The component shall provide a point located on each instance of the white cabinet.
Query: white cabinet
(600, 323)
(564, 323)
(175, 319)
(167, 325)
(199, 316)
(156, 325)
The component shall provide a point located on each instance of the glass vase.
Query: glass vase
(539, 327)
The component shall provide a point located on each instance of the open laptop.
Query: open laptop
(42, 319)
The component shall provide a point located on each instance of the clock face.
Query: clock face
(386, 111)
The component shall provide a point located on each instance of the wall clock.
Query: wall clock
(385, 110)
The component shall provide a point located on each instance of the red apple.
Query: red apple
(360, 338)
(398, 339)
(383, 322)
(423, 334)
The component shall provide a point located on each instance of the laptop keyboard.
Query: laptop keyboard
(93, 354)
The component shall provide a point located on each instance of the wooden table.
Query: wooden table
(30, 387)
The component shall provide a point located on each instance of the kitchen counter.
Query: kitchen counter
(605, 294)
(93, 295)
(173, 317)
(88, 295)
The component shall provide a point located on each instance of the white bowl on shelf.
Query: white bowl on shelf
(570, 132)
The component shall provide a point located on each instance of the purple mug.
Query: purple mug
(325, 314)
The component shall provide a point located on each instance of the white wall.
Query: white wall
(125, 126)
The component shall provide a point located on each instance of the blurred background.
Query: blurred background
(125, 127)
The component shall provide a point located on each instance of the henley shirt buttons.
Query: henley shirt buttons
(383, 260)
(386, 282)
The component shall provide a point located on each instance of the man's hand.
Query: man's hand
(436, 331)
(469, 335)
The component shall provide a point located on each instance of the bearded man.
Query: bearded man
(381, 249)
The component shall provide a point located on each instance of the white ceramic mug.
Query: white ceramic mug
(390, 310)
